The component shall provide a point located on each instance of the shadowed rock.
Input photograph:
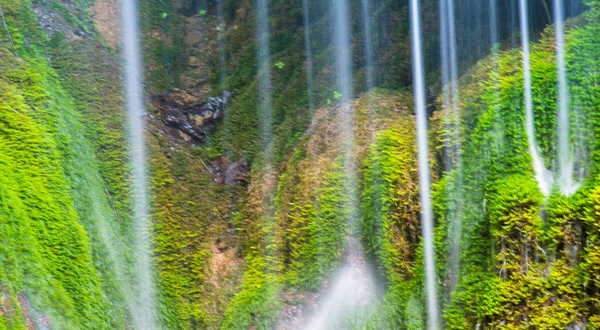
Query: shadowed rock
(230, 173)
(192, 118)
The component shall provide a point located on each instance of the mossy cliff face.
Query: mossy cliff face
(235, 257)
(56, 268)
(295, 249)
(525, 260)
(66, 211)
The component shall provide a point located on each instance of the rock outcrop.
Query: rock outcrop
(188, 117)
(230, 173)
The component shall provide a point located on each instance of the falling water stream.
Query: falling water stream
(352, 286)
(143, 304)
(542, 174)
(449, 70)
(493, 16)
(221, 36)
(309, 59)
(351, 291)
(424, 179)
(368, 40)
(566, 162)
(264, 75)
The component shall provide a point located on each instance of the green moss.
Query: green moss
(315, 232)
(61, 208)
(257, 304)
(391, 224)
(163, 47)
(522, 258)
(38, 118)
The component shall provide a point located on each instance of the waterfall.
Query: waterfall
(351, 291)
(493, 16)
(424, 180)
(343, 68)
(342, 43)
(352, 287)
(368, 40)
(264, 76)
(367, 29)
(221, 36)
(450, 87)
(142, 305)
(309, 59)
(542, 174)
(565, 153)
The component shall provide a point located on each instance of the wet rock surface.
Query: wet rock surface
(188, 116)
(52, 22)
(351, 289)
(8, 310)
(296, 310)
(106, 14)
(230, 173)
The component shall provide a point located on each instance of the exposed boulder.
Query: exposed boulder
(105, 14)
(230, 173)
(192, 118)
(178, 120)
(193, 61)
(53, 22)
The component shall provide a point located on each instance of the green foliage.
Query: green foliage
(315, 232)
(513, 213)
(591, 263)
(257, 304)
(522, 260)
(187, 223)
(313, 216)
(390, 201)
(495, 48)
(163, 49)
(391, 225)
(291, 111)
(64, 184)
(53, 202)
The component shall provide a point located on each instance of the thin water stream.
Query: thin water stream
(352, 286)
(423, 156)
(265, 84)
(448, 44)
(366, 6)
(542, 174)
(566, 163)
(309, 57)
(142, 305)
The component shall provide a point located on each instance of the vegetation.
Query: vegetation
(522, 256)
(56, 267)
(230, 257)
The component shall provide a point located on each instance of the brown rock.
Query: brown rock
(107, 19)
(240, 13)
(193, 61)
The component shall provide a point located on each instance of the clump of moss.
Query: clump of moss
(56, 201)
(522, 258)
